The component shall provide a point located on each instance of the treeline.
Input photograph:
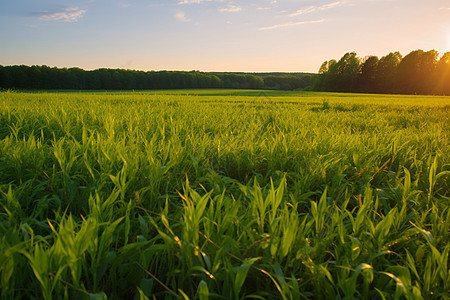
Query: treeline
(288, 82)
(419, 72)
(44, 77)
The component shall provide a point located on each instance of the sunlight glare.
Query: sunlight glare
(447, 44)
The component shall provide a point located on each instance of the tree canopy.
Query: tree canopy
(44, 77)
(419, 72)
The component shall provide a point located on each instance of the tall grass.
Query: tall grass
(224, 194)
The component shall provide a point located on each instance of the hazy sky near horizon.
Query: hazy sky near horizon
(216, 35)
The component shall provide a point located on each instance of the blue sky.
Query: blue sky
(215, 35)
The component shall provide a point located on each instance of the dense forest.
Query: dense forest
(44, 77)
(419, 72)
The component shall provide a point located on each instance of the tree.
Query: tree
(323, 68)
(415, 71)
(327, 75)
(347, 71)
(368, 78)
(386, 73)
(442, 75)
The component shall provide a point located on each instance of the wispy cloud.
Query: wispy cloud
(189, 1)
(181, 17)
(124, 5)
(311, 9)
(272, 5)
(230, 8)
(195, 1)
(288, 24)
(69, 14)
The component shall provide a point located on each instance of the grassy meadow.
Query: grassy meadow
(224, 194)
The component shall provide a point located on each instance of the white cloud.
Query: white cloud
(180, 16)
(264, 8)
(70, 14)
(288, 24)
(230, 8)
(310, 9)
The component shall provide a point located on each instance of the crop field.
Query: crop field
(224, 194)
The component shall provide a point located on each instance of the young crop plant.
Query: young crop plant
(224, 194)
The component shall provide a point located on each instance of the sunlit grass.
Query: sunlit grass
(224, 194)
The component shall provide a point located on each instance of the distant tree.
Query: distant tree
(287, 82)
(78, 77)
(35, 77)
(105, 79)
(20, 77)
(441, 77)
(215, 81)
(386, 73)
(46, 73)
(368, 78)
(116, 80)
(340, 76)
(93, 81)
(415, 71)
(326, 80)
(348, 69)
(323, 68)
(418, 72)
(3, 75)
(306, 82)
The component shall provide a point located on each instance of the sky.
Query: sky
(215, 35)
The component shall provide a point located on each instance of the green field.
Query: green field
(224, 194)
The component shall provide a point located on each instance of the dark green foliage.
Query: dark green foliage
(287, 82)
(418, 72)
(44, 77)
